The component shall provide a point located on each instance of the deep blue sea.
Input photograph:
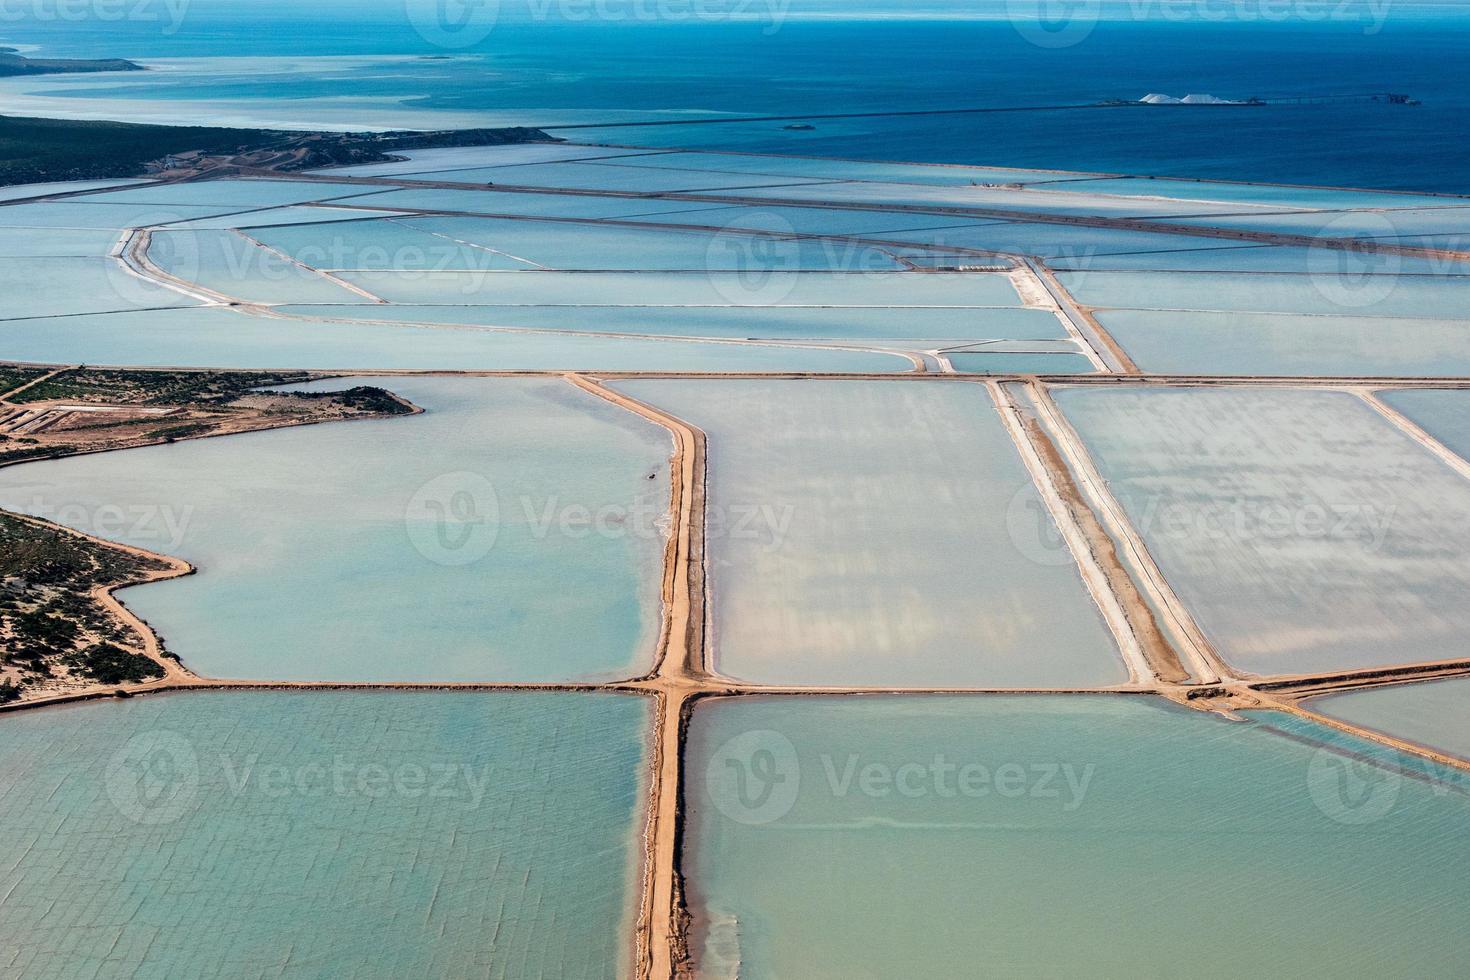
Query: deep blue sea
(371, 64)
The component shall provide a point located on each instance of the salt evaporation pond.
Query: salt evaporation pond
(1442, 412)
(1276, 344)
(1078, 835)
(1434, 714)
(866, 533)
(1304, 531)
(1336, 289)
(366, 834)
(217, 337)
(514, 532)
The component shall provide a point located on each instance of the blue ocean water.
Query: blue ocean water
(548, 61)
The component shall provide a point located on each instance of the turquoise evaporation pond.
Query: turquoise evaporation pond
(457, 545)
(1034, 201)
(605, 176)
(1397, 225)
(293, 214)
(220, 338)
(528, 203)
(446, 244)
(1434, 714)
(862, 323)
(317, 834)
(1442, 412)
(238, 193)
(16, 192)
(1063, 244)
(39, 287)
(1352, 269)
(56, 242)
(787, 220)
(1303, 530)
(231, 265)
(779, 287)
(1335, 287)
(1076, 835)
(1018, 362)
(81, 212)
(877, 534)
(1275, 344)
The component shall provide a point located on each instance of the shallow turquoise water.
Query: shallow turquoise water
(1103, 836)
(323, 834)
(511, 533)
(448, 160)
(1433, 714)
(862, 532)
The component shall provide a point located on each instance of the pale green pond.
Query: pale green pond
(323, 834)
(513, 532)
(867, 533)
(1070, 836)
